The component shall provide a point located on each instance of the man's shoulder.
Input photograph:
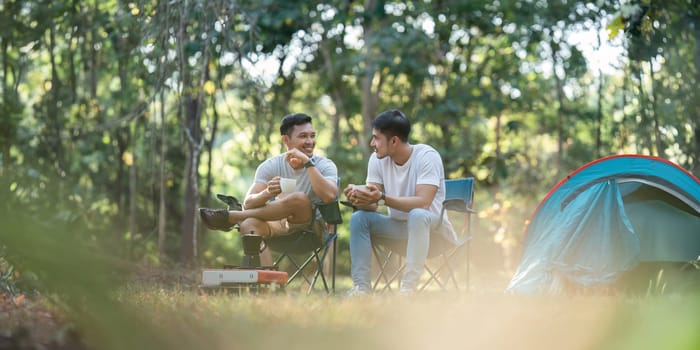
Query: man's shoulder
(274, 160)
(321, 159)
(422, 149)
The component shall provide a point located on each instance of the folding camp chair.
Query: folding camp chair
(305, 250)
(390, 253)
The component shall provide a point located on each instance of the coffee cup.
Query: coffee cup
(362, 188)
(288, 185)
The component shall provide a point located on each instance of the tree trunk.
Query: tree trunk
(599, 110)
(162, 184)
(644, 113)
(6, 131)
(189, 227)
(560, 108)
(660, 150)
(193, 100)
(54, 123)
(370, 93)
(132, 191)
(209, 147)
(192, 136)
(695, 111)
(336, 90)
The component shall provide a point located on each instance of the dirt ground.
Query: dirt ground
(26, 323)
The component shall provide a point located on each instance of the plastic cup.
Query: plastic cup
(288, 185)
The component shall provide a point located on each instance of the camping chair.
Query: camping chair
(304, 250)
(389, 253)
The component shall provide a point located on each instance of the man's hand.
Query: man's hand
(363, 198)
(273, 186)
(296, 158)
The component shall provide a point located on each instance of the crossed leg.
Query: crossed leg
(296, 208)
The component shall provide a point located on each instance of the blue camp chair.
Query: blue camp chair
(390, 253)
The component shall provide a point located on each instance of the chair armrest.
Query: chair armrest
(348, 204)
(330, 212)
(457, 205)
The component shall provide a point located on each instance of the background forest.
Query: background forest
(119, 118)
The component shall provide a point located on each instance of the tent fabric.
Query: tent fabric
(680, 237)
(594, 225)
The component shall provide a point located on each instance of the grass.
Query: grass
(85, 302)
(154, 312)
(433, 320)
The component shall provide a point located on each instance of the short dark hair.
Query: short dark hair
(290, 120)
(393, 123)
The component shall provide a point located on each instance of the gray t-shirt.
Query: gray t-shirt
(278, 166)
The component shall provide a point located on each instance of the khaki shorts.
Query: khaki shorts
(283, 228)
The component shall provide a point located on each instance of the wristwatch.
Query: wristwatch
(310, 163)
(382, 200)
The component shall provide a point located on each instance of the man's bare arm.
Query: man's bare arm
(259, 194)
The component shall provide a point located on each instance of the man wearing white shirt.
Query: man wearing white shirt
(410, 180)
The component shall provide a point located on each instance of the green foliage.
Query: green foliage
(92, 93)
(7, 276)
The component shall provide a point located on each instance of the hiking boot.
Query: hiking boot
(231, 201)
(215, 219)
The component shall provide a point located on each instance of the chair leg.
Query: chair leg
(316, 258)
(469, 255)
(319, 272)
(335, 250)
(383, 257)
(300, 268)
(433, 277)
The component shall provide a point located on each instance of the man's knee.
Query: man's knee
(418, 216)
(256, 226)
(360, 222)
(297, 199)
(358, 217)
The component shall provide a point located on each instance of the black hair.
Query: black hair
(393, 123)
(290, 120)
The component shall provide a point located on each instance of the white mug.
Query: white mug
(288, 185)
(362, 188)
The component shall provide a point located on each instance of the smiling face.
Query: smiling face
(380, 143)
(302, 137)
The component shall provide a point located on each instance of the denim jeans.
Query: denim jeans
(416, 229)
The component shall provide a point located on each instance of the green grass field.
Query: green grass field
(153, 312)
(434, 320)
(86, 300)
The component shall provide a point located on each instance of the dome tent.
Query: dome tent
(606, 218)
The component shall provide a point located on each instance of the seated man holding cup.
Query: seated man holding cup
(280, 200)
(409, 179)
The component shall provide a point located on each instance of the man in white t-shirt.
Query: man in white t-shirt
(266, 210)
(410, 181)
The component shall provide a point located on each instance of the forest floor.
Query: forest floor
(164, 310)
(30, 323)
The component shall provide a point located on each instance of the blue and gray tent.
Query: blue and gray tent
(606, 218)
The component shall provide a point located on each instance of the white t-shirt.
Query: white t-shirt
(424, 167)
(278, 166)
